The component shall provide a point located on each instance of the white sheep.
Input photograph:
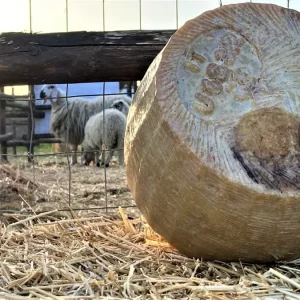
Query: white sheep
(112, 138)
(121, 105)
(68, 118)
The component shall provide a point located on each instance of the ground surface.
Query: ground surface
(53, 178)
(88, 255)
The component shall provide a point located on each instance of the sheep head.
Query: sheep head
(87, 158)
(120, 105)
(49, 91)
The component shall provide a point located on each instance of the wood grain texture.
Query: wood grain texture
(76, 57)
(24, 114)
(214, 180)
(3, 129)
(6, 137)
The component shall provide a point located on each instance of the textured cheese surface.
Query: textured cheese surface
(212, 145)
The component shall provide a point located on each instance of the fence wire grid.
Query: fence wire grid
(64, 185)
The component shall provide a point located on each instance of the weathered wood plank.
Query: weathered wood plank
(14, 128)
(30, 128)
(22, 143)
(78, 56)
(50, 141)
(17, 122)
(4, 96)
(6, 137)
(17, 105)
(38, 136)
(3, 128)
(24, 114)
(43, 107)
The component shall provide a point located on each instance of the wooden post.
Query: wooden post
(104, 56)
(15, 134)
(3, 128)
(129, 85)
(30, 131)
(14, 127)
(129, 88)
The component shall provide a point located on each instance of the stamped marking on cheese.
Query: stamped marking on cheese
(221, 80)
(203, 104)
(231, 75)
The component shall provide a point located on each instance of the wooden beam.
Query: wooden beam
(20, 97)
(50, 141)
(22, 143)
(4, 96)
(6, 137)
(17, 105)
(24, 114)
(43, 107)
(16, 122)
(38, 136)
(76, 57)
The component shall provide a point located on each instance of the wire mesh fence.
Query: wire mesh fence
(74, 183)
(38, 181)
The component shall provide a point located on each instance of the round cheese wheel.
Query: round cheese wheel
(212, 140)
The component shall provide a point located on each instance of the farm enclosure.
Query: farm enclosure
(137, 263)
(52, 180)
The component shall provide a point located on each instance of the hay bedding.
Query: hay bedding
(96, 257)
(55, 255)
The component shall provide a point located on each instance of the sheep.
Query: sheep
(76, 112)
(120, 105)
(113, 138)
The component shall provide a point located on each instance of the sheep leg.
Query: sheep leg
(121, 150)
(97, 163)
(121, 157)
(73, 156)
(108, 157)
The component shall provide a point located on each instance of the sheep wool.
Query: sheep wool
(112, 137)
(69, 117)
